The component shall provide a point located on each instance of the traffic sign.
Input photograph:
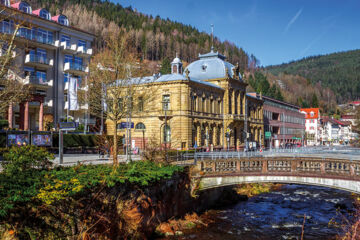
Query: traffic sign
(267, 134)
(67, 126)
(124, 125)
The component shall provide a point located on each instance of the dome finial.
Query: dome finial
(212, 38)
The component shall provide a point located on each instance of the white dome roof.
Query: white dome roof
(210, 66)
(176, 60)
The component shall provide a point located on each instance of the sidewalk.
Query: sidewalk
(73, 159)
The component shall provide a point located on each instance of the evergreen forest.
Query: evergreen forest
(153, 37)
(338, 71)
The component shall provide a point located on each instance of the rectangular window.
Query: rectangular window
(66, 77)
(41, 55)
(41, 77)
(66, 39)
(78, 63)
(44, 36)
(166, 102)
(82, 43)
(140, 104)
(68, 59)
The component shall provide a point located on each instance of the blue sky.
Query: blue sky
(275, 31)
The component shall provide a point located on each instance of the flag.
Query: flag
(73, 86)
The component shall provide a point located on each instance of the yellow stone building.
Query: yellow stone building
(205, 106)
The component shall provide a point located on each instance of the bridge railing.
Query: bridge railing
(282, 166)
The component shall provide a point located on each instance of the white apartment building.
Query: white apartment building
(50, 54)
(312, 125)
(335, 132)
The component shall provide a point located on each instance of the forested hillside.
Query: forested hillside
(154, 38)
(338, 71)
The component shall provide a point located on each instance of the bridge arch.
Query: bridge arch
(222, 181)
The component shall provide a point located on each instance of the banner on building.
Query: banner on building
(73, 98)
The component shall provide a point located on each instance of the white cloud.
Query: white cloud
(293, 20)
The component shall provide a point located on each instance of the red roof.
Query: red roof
(16, 5)
(343, 123)
(348, 116)
(311, 113)
(56, 18)
(37, 12)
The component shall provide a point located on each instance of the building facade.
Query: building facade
(283, 123)
(51, 57)
(312, 126)
(206, 106)
(335, 132)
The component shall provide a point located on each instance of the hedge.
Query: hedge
(76, 140)
(2, 140)
(3, 124)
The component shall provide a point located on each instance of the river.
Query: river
(280, 215)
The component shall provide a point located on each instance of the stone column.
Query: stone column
(240, 103)
(26, 116)
(41, 116)
(10, 116)
(21, 116)
(233, 97)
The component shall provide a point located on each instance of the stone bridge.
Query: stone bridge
(329, 172)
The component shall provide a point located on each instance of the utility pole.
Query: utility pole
(246, 124)
(165, 137)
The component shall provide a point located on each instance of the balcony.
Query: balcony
(168, 113)
(38, 62)
(68, 48)
(76, 69)
(84, 52)
(34, 80)
(49, 102)
(40, 41)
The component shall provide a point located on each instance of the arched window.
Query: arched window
(167, 134)
(45, 14)
(25, 7)
(140, 126)
(5, 2)
(63, 20)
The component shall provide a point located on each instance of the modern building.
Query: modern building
(283, 123)
(51, 56)
(206, 106)
(312, 126)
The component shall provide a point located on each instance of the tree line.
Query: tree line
(338, 71)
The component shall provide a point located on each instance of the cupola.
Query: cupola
(176, 66)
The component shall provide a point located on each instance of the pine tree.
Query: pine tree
(165, 66)
(314, 101)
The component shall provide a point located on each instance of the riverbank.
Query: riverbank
(279, 214)
(95, 201)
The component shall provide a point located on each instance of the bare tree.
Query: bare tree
(12, 88)
(116, 87)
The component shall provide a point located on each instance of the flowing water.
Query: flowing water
(280, 215)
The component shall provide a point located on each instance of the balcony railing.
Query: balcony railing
(82, 50)
(75, 67)
(37, 80)
(68, 47)
(32, 58)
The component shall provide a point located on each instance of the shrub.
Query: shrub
(2, 140)
(21, 159)
(3, 124)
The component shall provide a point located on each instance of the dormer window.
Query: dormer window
(311, 114)
(204, 67)
(63, 20)
(25, 7)
(45, 14)
(5, 2)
